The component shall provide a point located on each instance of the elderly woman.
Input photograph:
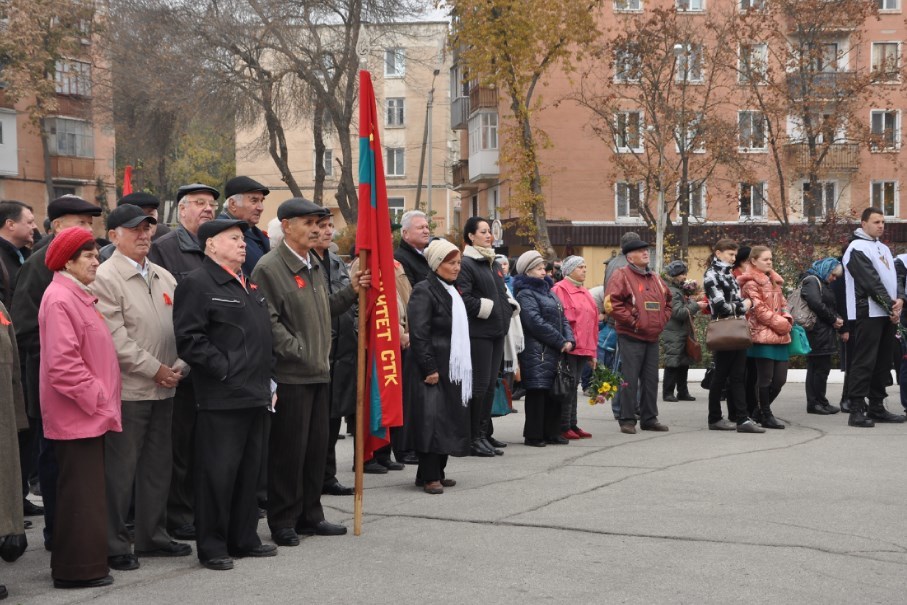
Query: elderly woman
(582, 314)
(481, 284)
(770, 327)
(548, 334)
(823, 340)
(438, 378)
(674, 336)
(80, 403)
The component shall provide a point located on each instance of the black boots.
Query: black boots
(668, 384)
(878, 413)
(858, 417)
(766, 419)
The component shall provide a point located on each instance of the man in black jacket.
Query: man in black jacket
(223, 330)
(415, 235)
(245, 201)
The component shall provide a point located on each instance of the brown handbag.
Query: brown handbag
(728, 334)
(693, 348)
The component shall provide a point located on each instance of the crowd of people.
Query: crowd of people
(177, 385)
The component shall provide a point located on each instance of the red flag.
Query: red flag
(384, 376)
(127, 180)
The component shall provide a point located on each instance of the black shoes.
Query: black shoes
(770, 422)
(670, 398)
(535, 442)
(478, 448)
(262, 550)
(183, 532)
(818, 408)
(285, 536)
(373, 467)
(391, 465)
(174, 549)
(322, 528)
(494, 442)
(126, 562)
(337, 489)
(96, 583)
(557, 440)
(219, 564)
(493, 449)
(30, 509)
(685, 397)
(409, 458)
(655, 426)
(858, 415)
(845, 406)
(878, 413)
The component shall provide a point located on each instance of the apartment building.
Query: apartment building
(409, 66)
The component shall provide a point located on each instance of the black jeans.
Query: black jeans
(543, 415)
(870, 366)
(431, 467)
(817, 369)
(730, 367)
(487, 356)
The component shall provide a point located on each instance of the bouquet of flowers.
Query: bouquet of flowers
(689, 287)
(604, 384)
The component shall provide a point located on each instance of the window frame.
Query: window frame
(689, 3)
(627, 61)
(896, 130)
(683, 69)
(698, 185)
(328, 163)
(399, 62)
(618, 148)
(744, 72)
(627, 8)
(395, 212)
(398, 164)
(752, 216)
(823, 185)
(896, 190)
(640, 196)
(740, 138)
(897, 6)
(399, 112)
(872, 60)
(72, 77)
(82, 142)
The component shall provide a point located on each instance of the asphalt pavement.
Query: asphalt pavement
(814, 513)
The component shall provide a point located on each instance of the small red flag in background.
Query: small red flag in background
(127, 180)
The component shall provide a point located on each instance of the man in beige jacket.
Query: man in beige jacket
(135, 297)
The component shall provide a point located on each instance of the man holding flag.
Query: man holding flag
(301, 306)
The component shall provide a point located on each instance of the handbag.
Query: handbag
(501, 405)
(707, 379)
(728, 334)
(564, 386)
(799, 342)
(693, 348)
(800, 311)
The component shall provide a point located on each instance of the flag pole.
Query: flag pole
(361, 394)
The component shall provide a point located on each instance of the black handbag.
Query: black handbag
(564, 386)
(707, 379)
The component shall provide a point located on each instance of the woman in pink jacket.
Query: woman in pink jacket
(770, 326)
(582, 313)
(80, 403)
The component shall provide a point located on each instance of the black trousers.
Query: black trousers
(543, 415)
(47, 461)
(181, 499)
(730, 370)
(431, 467)
(228, 449)
(297, 451)
(817, 370)
(487, 356)
(330, 463)
(870, 365)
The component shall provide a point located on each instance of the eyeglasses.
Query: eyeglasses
(202, 203)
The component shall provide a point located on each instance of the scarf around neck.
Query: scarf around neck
(460, 370)
(487, 253)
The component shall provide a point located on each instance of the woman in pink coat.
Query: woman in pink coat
(80, 403)
(582, 313)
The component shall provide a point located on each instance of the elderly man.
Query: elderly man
(301, 308)
(34, 278)
(148, 204)
(135, 297)
(415, 236)
(641, 306)
(179, 253)
(245, 202)
(224, 332)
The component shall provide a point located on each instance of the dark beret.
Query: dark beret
(243, 184)
(140, 199)
(186, 189)
(636, 244)
(299, 206)
(71, 204)
(128, 216)
(209, 229)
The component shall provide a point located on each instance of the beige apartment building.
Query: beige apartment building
(409, 66)
(590, 203)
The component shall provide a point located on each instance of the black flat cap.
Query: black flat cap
(636, 244)
(186, 189)
(243, 184)
(140, 199)
(128, 216)
(211, 228)
(299, 206)
(71, 204)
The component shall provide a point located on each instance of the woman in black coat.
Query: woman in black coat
(547, 334)
(823, 341)
(481, 284)
(438, 378)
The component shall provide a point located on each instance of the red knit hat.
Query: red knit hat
(64, 245)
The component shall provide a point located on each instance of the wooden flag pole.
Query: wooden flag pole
(361, 394)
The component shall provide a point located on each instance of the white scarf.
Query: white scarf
(460, 353)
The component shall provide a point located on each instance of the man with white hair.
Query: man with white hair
(415, 234)
(245, 202)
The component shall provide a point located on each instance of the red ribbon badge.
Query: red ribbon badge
(300, 283)
(167, 300)
(4, 321)
(252, 286)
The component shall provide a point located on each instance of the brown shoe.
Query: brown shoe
(655, 426)
(629, 429)
(433, 487)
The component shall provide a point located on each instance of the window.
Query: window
(756, 5)
(752, 63)
(9, 153)
(751, 130)
(394, 63)
(70, 137)
(628, 196)
(394, 161)
(691, 5)
(691, 140)
(752, 200)
(395, 206)
(696, 199)
(888, 5)
(886, 61)
(60, 191)
(885, 127)
(627, 64)
(483, 132)
(628, 129)
(824, 57)
(628, 5)
(826, 198)
(73, 78)
(885, 196)
(689, 63)
(328, 162)
(395, 113)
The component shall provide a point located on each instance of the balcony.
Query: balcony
(841, 157)
(67, 167)
(460, 176)
(459, 113)
(820, 84)
(483, 166)
(481, 97)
